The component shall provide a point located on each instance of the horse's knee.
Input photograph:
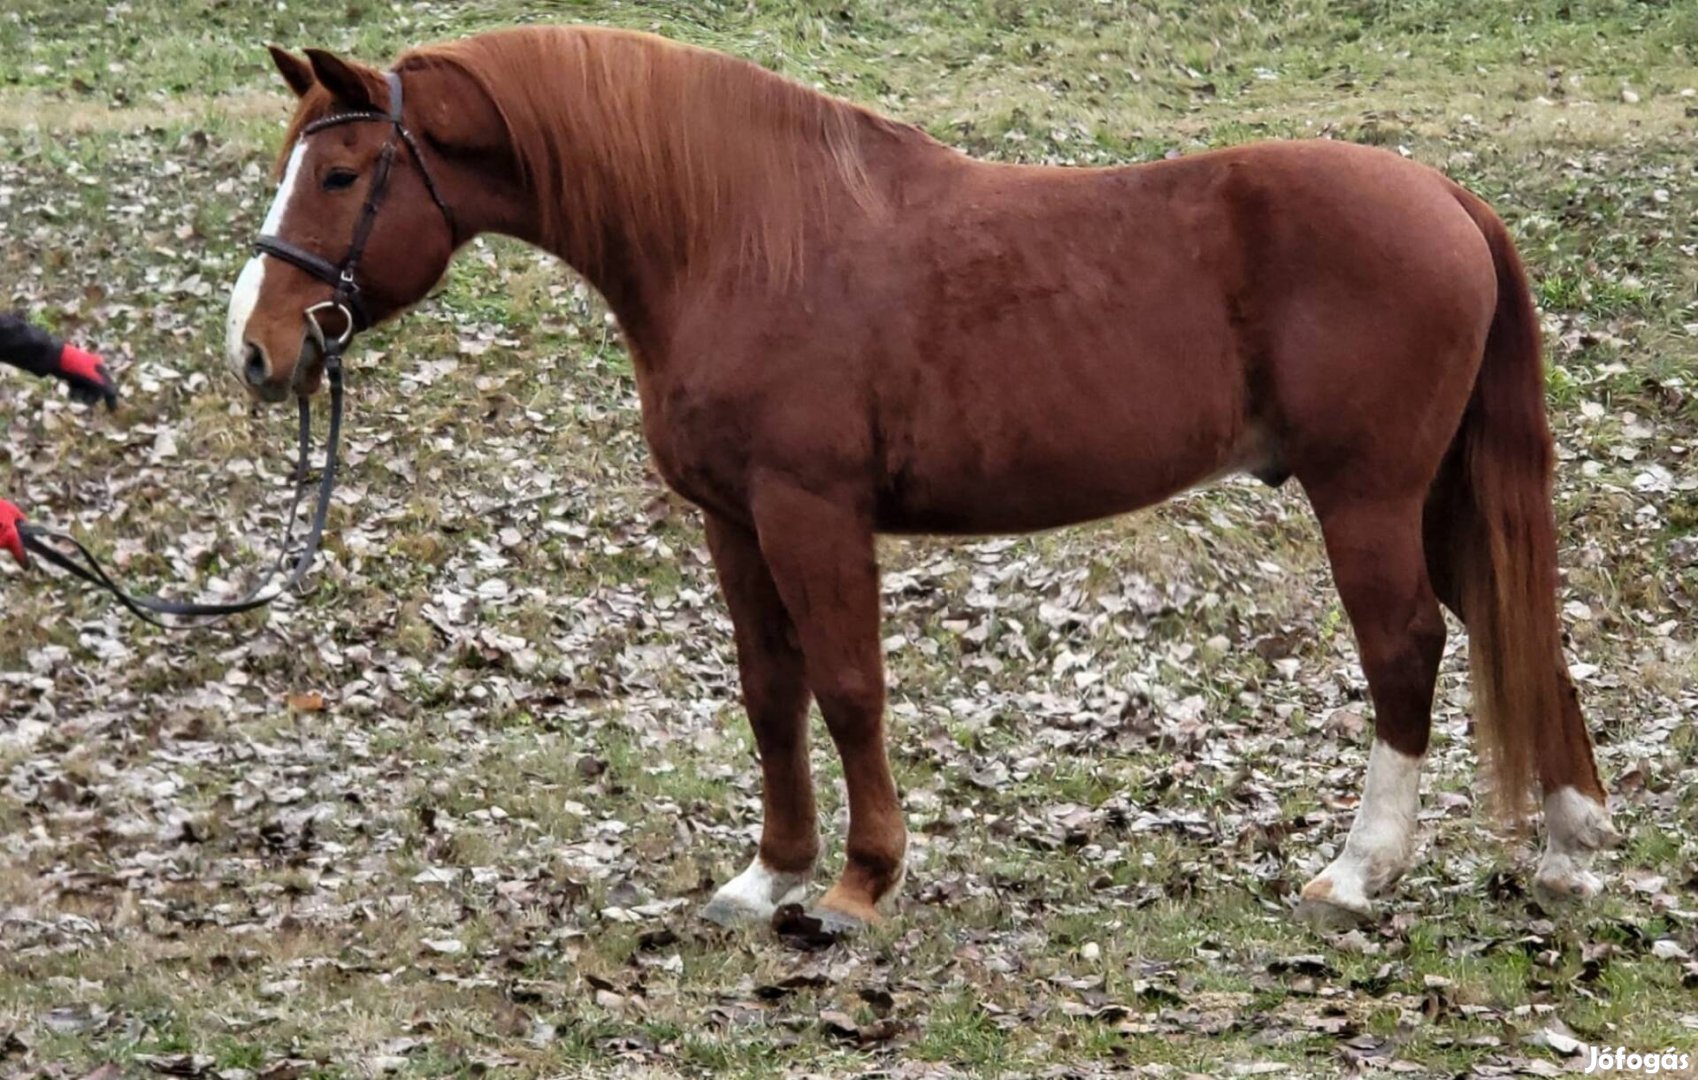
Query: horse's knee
(1402, 650)
(775, 700)
(1427, 634)
(851, 701)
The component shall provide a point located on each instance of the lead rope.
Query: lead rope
(41, 539)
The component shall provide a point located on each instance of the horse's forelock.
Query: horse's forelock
(314, 105)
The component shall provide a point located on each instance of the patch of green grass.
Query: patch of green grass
(959, 1031)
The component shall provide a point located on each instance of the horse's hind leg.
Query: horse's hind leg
(775, 694)
(1577, 823)
(1380, 570)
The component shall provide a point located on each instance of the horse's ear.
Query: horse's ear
(353, 85)
(295, 71)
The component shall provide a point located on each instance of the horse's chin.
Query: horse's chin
(309, 369)
(271, 393)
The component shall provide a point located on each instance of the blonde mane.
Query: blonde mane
(633, 141)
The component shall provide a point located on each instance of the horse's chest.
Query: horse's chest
(698, 446)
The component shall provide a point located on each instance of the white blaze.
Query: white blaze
(245, 295)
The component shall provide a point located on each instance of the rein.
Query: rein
(41, 539)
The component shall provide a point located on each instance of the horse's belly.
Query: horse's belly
(1045, 477)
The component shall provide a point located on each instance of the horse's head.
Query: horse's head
(357, 233)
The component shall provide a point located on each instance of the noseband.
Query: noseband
(346, 300)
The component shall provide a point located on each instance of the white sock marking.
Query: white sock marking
(761, 890)
(1576, 827)
(1382, 838)
(245, 296)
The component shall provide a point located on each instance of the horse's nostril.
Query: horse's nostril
(254, 367)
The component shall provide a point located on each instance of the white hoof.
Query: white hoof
(1332, 904)
(754, 895)
(1565, 883)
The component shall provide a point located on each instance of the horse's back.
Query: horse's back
(1084, 342)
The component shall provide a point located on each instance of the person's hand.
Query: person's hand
(10, 540)
(87, 376)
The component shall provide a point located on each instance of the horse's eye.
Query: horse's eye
(340, 179)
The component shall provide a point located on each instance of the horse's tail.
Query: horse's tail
(1502, 534)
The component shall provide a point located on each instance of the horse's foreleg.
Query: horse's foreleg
(1379, 567)
(775, 694)
(823, 561)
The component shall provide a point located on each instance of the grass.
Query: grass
(1102, 867)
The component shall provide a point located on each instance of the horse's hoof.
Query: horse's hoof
(1579, 828)
(730, 913)
(1565, 886)
(753, 895)
(837, 923)
(813, 928)
(1331, 916)
(1327, 907)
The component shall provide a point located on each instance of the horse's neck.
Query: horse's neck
(723, 171)
(660, 174)
(506, 206)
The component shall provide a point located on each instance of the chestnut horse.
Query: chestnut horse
(841, 327)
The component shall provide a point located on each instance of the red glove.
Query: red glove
(9, 539)
(87, 376)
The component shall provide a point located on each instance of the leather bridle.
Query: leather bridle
(341, 276)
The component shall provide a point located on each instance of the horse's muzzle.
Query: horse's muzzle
(255, 374)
